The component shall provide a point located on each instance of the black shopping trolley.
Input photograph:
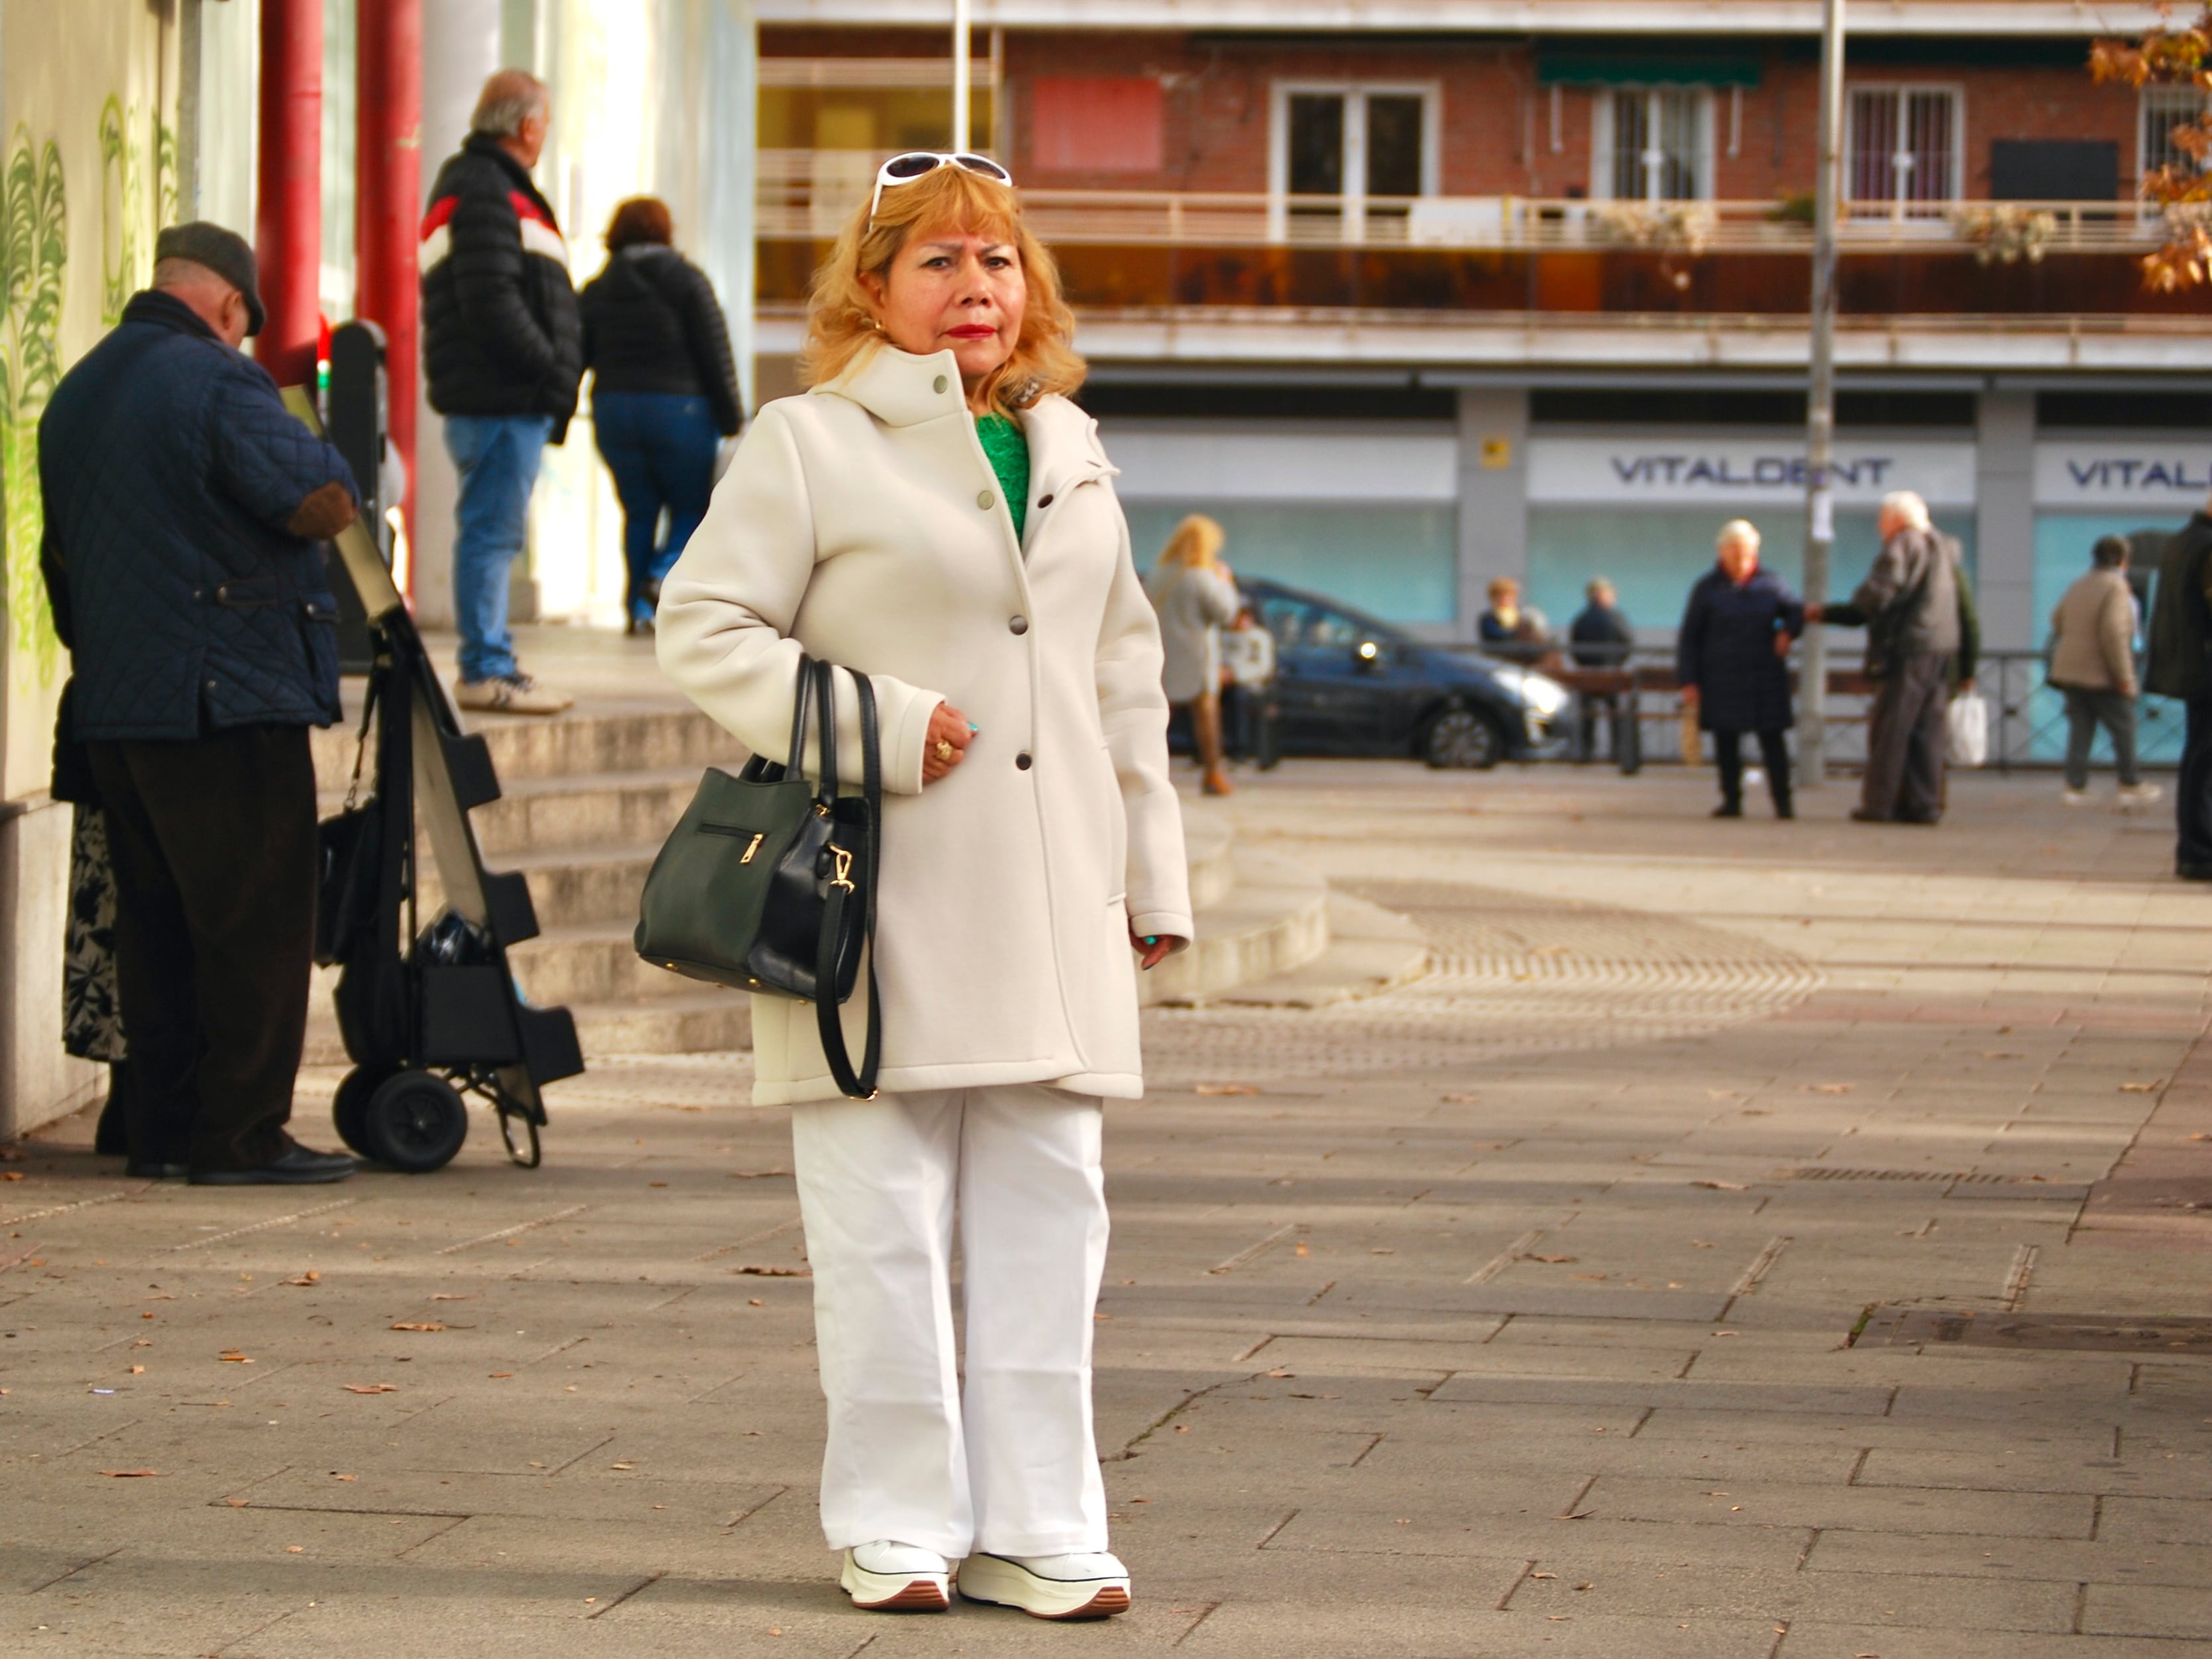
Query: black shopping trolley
(429, 1011)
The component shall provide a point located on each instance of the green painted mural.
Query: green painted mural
(122, 209)
(34, 253)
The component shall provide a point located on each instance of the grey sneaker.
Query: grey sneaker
(510, 694)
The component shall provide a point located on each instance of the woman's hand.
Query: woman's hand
(1782, 642)
(1153, 949)
(946, 743)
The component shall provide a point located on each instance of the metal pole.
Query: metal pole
(388, 203)
(1820, 400)
(289, 233)
(960, 29)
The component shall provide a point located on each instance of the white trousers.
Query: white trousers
(1012, 1467)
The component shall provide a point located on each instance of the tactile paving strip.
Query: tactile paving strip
(1510, 973)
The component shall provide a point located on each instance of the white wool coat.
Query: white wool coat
(862, 524)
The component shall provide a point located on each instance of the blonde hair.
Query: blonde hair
(1739, 533)
(1907, 506)
(842, 327)
(1196, 541)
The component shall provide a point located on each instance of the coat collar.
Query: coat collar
(902, 390)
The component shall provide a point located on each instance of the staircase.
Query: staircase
(588, 798)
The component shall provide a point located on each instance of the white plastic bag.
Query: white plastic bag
(1969, 719)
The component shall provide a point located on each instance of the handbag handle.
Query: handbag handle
(861, 1085)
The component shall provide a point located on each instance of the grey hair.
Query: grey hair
(1739, 533)
(1906, 505)
(509, 98)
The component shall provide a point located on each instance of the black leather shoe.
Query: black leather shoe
(300, 1166)
(1785, 810)
(2194, 872)
(1728, 809)
(1860, 815)
(142, 1169)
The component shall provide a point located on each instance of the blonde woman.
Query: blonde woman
(1196, 597)
(938, 515)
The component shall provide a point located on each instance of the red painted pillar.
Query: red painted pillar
(288, 233)
(388, 190)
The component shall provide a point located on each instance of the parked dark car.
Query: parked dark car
(1348, 684)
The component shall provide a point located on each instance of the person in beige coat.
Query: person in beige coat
(936, 514)
(2093, 661)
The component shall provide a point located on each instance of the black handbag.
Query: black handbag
(767, 883)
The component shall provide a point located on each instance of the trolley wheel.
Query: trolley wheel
(349, 1109)
(414, 1122)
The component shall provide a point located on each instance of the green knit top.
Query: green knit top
(1008, 451)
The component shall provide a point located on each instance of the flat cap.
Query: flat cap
(222, 252)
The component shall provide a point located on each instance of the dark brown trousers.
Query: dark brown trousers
(214, 844)
(1908, 734)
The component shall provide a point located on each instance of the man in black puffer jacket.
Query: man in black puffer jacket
(184, 505)
(503, 348)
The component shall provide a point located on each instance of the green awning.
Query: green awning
(1627, 69)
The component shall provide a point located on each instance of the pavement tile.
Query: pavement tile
(2070, 1561)
(1586, 1582)
(2029, 1514)
(2166, 1610)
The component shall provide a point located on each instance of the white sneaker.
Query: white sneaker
(1049, 1586)
(2140, 794)
(2075, 797)
(887, 1576)
(510, 694)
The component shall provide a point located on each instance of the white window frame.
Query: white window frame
(2181, 98)
(1355, 94)
(1899, 207)
(1601, 106)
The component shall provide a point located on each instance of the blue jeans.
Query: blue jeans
(661, 447)
(498, 457)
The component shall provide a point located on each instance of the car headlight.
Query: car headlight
(1543, 694)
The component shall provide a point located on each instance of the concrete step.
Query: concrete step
(1274, 919)
(698, 1019)
(1370, 950)
(567, 746)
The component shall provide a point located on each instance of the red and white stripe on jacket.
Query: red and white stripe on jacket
(539, 233)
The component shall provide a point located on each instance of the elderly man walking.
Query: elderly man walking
(1922, 639)
(183, 509)
(2093, 663)
(2181, 667)
(502, 347)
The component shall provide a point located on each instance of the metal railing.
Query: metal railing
(2027, 717)
(808, 195)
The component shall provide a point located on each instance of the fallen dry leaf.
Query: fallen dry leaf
(1282, 1374)
(1721, 1186)
(340, 1477)
(1828, 1088)
(418, 1325)
(1227, 1089)
(624, 1465)
(138, 1370)
(1460, 1100)
(132, 1474)
(1302, 1249)
(11, 1175)
(2151, 1087)
(310, 1277)
(775, 1273)
(1543, 1575)
(1551, 1260)
(232, 1357)
(1593, 1278)
(500, 1376)
(295, 1549)
(454, 1296)
(755, 1302)
(756, 1175)
(234, 1503)
(371, 1388)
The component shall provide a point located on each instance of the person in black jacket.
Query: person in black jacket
(2180, 667)
(184, 504)
(664, 390)
(1600, 637)
(1730, 663)
(502, 350)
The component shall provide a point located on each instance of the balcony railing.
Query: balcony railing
(808, 195)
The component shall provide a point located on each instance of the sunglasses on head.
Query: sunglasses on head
(921, 163)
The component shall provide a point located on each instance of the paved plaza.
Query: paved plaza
(1750, 1241)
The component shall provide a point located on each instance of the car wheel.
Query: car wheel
(1463, 739)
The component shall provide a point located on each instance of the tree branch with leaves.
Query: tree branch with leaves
(2182, 190)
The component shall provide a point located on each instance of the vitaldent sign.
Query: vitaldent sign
(1614, 471)
(2154, 473)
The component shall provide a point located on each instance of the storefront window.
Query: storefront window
(1400, 563)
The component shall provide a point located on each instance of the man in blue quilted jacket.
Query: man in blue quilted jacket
(185, 511)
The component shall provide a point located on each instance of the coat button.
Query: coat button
(937, 385)
(1022, 762)
(1017, 625)
(983, 500)
(1044, 501)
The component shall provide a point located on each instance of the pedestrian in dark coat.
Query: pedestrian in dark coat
(503, 351)
(184, 504)
(1730, 661)
(1600, 637)
(1923, 638)
(2180, 667)
(664, 392)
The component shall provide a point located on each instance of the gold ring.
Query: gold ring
(944, 750)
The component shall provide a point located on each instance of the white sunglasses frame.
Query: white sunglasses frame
(885, 179)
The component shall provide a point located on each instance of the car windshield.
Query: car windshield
(1300, 623)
